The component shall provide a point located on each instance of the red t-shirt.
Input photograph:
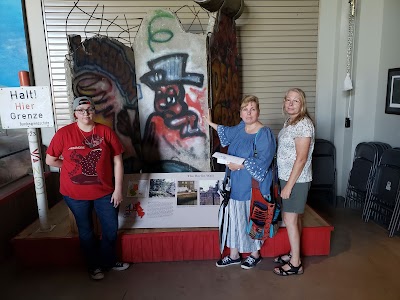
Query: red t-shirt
(87, 169)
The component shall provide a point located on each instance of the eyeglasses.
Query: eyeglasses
(292, 101)
(89, 111)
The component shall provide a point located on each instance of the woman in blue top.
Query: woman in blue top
(243, 139)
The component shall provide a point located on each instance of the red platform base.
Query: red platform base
(163, 246)
(203, 245)
(157, 245)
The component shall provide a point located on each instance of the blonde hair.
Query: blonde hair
(250, 98)
(303, 106)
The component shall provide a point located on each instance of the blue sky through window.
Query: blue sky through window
(13, 55)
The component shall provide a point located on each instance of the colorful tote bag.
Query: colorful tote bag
(265, 213)
(262, 212)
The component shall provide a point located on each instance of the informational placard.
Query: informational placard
(26, 107)
(170, 200)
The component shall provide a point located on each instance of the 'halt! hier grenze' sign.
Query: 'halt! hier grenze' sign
(26, 107)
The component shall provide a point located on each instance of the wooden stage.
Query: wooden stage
(61, 245)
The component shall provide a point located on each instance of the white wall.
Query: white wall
(386, 125)
(331, 102)
(328, 33)
(39, 54)
(367, 70)
(376, 49)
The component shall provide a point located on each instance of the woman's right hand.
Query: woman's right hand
(207, 120)
(286, 191)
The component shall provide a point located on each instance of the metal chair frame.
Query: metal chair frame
(365, 153)
(382, 209)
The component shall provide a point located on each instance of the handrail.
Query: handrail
(14, 152)
(5, 184)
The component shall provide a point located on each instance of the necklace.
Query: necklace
(251, 129)
(87, 143)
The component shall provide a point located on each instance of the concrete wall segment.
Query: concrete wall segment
(171, 69)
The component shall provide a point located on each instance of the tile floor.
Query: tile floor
(364, 264)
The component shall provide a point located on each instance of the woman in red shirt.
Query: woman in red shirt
(89, 156)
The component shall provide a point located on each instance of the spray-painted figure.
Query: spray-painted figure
(104, 70)
(169, 104)
(172, 124)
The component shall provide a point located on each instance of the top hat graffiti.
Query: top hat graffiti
(170, 69)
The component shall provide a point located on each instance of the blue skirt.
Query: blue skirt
(237, 236)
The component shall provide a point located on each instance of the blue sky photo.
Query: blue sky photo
(13, 56)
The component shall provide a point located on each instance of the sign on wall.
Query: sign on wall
(162, 200)
(26, 107)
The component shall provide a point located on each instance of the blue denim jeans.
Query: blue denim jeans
(97, 255)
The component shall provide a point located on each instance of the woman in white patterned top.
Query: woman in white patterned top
(295, 147)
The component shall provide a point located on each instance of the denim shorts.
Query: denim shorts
(298, 198)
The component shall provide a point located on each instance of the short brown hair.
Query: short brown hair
(250, 98)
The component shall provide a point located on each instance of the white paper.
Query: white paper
(225, 159)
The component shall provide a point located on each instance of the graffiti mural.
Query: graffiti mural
(225, 77)
(103, 69)
(173, 79)
(167, 78)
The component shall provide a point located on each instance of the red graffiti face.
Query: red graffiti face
(168, 100)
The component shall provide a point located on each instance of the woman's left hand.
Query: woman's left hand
(116, 198)
(235, 167)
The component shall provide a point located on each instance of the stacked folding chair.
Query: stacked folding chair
(324, 171)
(394, 225)
(366, 159)
(382, 204)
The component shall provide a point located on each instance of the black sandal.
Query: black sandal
(280, 260)
(292, 271)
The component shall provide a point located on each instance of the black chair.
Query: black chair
(394, 225)
(383, 201)
(324, 171)
(366, 159)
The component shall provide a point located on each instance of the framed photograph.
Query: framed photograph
(393, 92)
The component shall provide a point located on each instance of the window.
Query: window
(14, 150)
(14, 155)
